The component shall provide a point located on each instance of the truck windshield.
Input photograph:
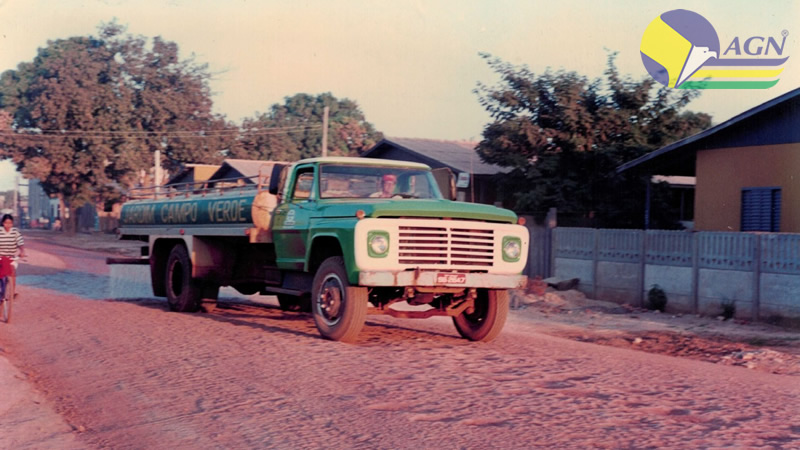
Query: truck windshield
(341, 181)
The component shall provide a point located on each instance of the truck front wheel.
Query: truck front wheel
(485, 321)
(339, 309)
(183, 295)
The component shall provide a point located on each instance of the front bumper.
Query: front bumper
(418, 278)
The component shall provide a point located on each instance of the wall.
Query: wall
(758, 273)
(722, 173)
(540, 248)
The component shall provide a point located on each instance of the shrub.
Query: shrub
(728, 309)
(656, 299)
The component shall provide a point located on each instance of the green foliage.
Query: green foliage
(300, 115)
(656, 299)
(88, 111)
(563, 135)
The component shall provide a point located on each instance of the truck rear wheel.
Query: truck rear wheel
(183, 294)
(339, 309)
(485, 321)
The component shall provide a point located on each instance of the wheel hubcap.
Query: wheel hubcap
(330, 300)
(477, 313)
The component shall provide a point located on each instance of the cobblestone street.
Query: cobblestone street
(129, 374)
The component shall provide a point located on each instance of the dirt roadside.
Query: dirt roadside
(27, 420)
(755, 346)
(569, 314)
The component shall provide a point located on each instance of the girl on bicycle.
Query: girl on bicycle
(10, 241)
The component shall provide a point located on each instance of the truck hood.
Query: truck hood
(416, 208)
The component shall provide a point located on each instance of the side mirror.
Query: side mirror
(446, 180)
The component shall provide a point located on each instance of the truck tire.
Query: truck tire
(339, 309)
(183, 293)
(486, 320)
(294, 303)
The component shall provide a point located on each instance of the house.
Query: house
(747, 169)
(238, 172)
(475, 179)
(42, 209)
(680, 197)
(241, 172)
(192, 175)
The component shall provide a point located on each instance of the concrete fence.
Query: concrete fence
(758, 273)
(540, 249)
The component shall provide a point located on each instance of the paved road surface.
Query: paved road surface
(129, 374)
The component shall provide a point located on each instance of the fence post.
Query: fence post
(695, 272)
(757, 278)
(534, 248)
(552, 255)
(595, 257)
(547, 257)
(551, 221)
(642, 267)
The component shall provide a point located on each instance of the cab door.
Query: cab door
(293, 217)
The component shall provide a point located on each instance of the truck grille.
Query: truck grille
(422, 245)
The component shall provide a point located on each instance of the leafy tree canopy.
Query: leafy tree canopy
(564, 135)
(293, 130)
(91, 110)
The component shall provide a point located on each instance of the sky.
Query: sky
(411, 65)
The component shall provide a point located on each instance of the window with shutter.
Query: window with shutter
(761, 209)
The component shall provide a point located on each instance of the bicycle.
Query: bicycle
(9, 284)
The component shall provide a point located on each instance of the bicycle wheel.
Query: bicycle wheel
(7, 300)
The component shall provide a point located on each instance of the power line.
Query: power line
(174, 133)
(138, 134)
(159, 133)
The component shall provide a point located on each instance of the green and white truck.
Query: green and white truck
(325, 237)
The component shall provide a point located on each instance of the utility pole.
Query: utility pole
(15, 200)
(23, 202)
(472, 177)
(325, 131)
(157, 172)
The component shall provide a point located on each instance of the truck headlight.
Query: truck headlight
(378, 244)
(512, 248)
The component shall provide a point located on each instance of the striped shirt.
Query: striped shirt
(10, 241)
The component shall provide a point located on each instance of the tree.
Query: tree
(170, 104)
(6, 120)
(293, 130)
(55, 100)
(564, 135)
(88, 111)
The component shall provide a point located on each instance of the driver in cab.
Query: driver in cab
(388, 184)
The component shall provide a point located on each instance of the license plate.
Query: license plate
(451, 278)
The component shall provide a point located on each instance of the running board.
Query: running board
(276, 290)
(140, 261)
